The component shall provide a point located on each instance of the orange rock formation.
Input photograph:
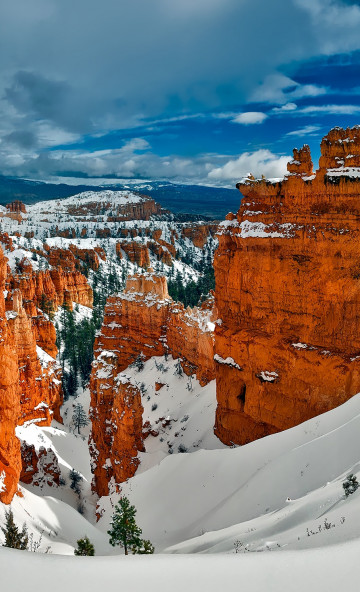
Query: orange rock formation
(143, 320)
(199, 233)
(288, 295)
(136, 252)
(17, 207)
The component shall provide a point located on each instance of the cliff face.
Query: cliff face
(39, 467)
(10, 459)
(30, 380)
(141, 321)
(55, 286)
(39, 375)
(136, 252)
(198, 233)
(288, 295)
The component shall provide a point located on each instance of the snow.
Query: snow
(258, 229)
(323, 570)
(278, 501)
(353, 172)
(267, 376)
(229, 361)
(223, 495)
(2, 481)
(114, 198)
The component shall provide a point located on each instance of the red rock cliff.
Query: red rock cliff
(288, 295)
(142, 320)
(30, 380)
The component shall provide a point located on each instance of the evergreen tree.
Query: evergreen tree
(350, 485)
(139, 362)
(146, 548)
(75, 479)
(178, 368)
(14, 538)
(79, 417)
(124, 530)
(84, 548)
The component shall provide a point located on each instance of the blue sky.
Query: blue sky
(196, 91)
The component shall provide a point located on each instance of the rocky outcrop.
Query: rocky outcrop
(39, 467)
(71, 287)
(30, 385)
(116, 437)
(17, 207)
(162, 253)
(137, 253)
(30, 380)
(142, 321)
(63, 258)
(288, 295)
(129, 206)
(198, 233)
(39, 375)
(50, 289)
(10, 459)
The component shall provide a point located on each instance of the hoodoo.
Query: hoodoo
(288, 295)
(143, 320)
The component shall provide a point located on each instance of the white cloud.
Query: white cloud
(336, 23)
(285, 108)
(308, 130)
(261, 162)
(250, 117)
(330, 109)
(277, 88)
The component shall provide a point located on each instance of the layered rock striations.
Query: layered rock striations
(143, 321)
(288, 295)
(55, 286)
(30, 380)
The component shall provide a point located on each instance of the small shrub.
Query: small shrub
(154, 407)
(84, 548)
(350, 485)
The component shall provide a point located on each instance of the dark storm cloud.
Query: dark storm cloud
(113, 62)
(71, 68)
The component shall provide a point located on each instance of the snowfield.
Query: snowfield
(271, 515)
(322, 570)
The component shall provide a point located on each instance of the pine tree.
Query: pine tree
(139, 362)
(146, 548)
(84, 548)
(124, 530)
(178, 368)
(76, 479)
(13, 538)
(79, 417)
(350, 485)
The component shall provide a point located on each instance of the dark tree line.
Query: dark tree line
(193, 293)
(75, 341)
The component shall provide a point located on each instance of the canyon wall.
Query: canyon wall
(30, 381)
(288, 295)
(142, 321)
(52, 287)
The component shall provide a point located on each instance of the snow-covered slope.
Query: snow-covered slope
(283, 492)
(273, 493)
(322, 570)
(274, 511)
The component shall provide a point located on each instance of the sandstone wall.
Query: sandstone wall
(288, 297)
(142, 321)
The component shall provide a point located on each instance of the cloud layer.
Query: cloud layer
(71, 71)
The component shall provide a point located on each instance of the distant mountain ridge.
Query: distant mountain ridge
(197, 200)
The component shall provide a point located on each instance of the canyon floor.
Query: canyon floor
(273, 511)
